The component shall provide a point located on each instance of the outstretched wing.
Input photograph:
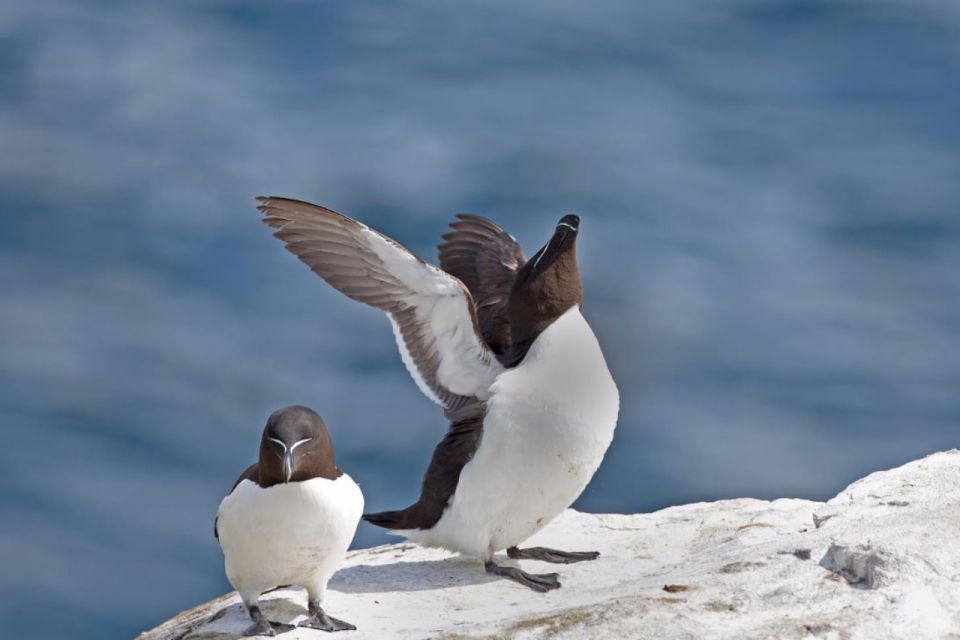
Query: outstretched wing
(432, 312)
(485, 258)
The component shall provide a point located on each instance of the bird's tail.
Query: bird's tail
(386, 519)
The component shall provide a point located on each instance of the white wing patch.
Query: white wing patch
(410, 365)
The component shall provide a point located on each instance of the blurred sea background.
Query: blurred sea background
(770, 195)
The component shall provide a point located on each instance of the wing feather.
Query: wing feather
(486, 258)
(431, 311)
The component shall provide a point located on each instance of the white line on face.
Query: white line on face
(281, 443)
(543, 252)
(567, 225)
(298, 443)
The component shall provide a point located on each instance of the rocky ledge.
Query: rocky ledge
(880, 560)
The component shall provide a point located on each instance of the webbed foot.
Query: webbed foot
(263, 627)
(322, 622)
(541, 582)
(551, 555)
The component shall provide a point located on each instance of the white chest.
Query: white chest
(548, 424)
(294, 533)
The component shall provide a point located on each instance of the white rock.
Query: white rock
(730, 569)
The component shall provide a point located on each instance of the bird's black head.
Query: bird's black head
(548, 284)
(295, 447)
(562, 242)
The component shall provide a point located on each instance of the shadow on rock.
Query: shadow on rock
(409, 576)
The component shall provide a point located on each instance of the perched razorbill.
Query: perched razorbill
(499, 342)
(289, 518)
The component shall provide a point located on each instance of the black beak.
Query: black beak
(566, 230)
(570, 222)
(563, 236)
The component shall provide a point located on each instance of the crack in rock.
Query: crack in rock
(799, 554)
(737, 567)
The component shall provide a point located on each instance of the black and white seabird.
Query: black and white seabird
(289, 518)
(499, 342)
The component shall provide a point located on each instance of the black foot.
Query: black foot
(541, 582)
(322, 622)
(260, 628)
(263, 627)
(551, 555)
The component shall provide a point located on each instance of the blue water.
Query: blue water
(770, 246)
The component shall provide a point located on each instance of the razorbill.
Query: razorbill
(289, 518)
(499, 342)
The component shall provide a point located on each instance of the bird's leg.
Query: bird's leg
(261, 626)
(320, 620)
(541, 582)
(551, 555)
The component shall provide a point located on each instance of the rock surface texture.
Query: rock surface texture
(880, 560)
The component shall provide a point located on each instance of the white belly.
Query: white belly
(295, 533)
(549, 422)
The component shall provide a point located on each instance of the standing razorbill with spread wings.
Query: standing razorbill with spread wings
(499, 342)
